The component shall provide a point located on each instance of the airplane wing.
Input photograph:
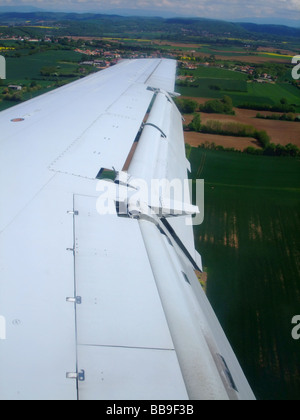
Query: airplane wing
(98, 293)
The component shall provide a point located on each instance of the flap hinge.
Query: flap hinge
(75, 213)
(77, 300)
(70, 249)
(75, 375)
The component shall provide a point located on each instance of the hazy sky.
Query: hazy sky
(223, 9)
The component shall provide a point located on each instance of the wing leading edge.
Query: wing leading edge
(98, 295)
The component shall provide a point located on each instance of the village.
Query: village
(245, 68)
(103, 52)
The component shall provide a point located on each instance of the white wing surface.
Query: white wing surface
(98, 294)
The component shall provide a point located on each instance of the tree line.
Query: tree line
(224, 106)
(242, 130)
(215, 106)
(283, 117)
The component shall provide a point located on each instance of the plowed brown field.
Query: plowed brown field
(238, 143)
(281, 132)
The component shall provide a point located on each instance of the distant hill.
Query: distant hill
(90, 24)
(270, 21)
(238, 28)
(271, 29)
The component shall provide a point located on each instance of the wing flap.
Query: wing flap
(120, 304)
(124, 345)
(160, 156)
(118, 373)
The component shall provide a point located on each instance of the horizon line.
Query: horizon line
(293, 23)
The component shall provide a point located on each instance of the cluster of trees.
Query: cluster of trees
(242, 130)
(215, 106)
(195, 125)
(187, 83)
(273, 69)
(13, 96)
(230, 129)
(186, 106)
(283, 117)
(218, 106)
(273, 149)
(18, 96)
(27, 48)
(282, 107)
(225, 106)
(278, 150)
(52, 72)
(49, 71)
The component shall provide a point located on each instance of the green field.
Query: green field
(260, 93)
(29, 66)
(235, 85)
(218, 73)
(250, 245)
(26, 68)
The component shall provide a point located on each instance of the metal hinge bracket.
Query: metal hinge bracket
(75, 213)
(77, 300)
(71, 250)
(75, 375)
